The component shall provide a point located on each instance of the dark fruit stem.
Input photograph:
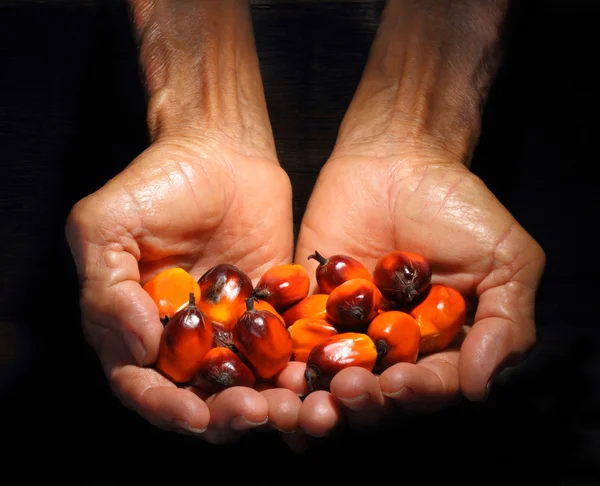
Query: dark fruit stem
(310, 375)
(317, 256)
(192, 300)
(260, 293)
(250, 303)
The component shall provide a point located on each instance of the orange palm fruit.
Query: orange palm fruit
(397, 338)
(335, 353)
(307, 333)
(354, 303)
(186, 338)
(223, 289)
(402, 276)
(261, 305)
(222, 368)
(440, 315)
(283, 285)
(170, 290)
(337, 269)
(262, 340)
(311, 306)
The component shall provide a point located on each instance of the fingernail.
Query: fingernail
(488, 388)
(242, 423)
(137, 349)
(361, 403)
(283, 431)
(182, 426)
(490, 384)
(405, 394)
(318, 436)
(353, 400)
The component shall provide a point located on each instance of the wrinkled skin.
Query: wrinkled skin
(196, 203)
(180, 203)
(365, 206)
(438, 209)
(398, 179)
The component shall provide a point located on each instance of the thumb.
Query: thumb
(106, 257)
(504, 329)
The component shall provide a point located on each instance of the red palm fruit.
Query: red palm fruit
(262, 340)
(186, 338)
(336, 270)
(311, 306)
(307, 333)
(221, 368)
(223, 289)
(397, 338)
(336, 353)
(440, 315)
(402, 276)
(354, 303)
(283, 285)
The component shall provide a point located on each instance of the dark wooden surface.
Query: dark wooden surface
(72, 115)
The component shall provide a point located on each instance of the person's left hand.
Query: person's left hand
(368, 205)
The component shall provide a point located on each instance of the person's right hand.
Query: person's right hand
(189, 204)
(208, 190)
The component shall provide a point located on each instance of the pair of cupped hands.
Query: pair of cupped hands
(194, 201)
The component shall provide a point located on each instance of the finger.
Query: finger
(233, 412)
(492, 344)
(228, 421)
(284, 409)
(320, 414)
(129, 311)
(284, 412)
(111, 295)
(359, 393)
(292, 378)
(147, 392)
(429, 385)
(296, 441)
(504, 326)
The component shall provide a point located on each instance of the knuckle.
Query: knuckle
(117, 391)
(77, 217)
(92, 335)
(125, 391)
(88, 301)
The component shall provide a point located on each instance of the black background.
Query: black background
(72, 115)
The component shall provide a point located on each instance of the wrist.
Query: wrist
(201, 73)
(427, 78)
